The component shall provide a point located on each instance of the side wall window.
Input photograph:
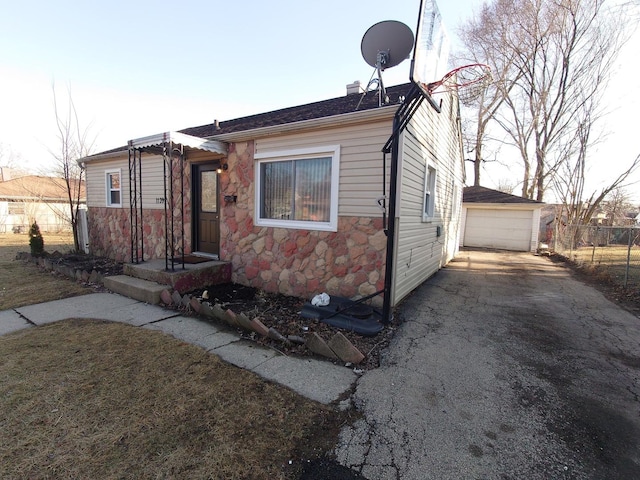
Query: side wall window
(113, 188)
(429, 198)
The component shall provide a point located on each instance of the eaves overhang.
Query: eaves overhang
(183, 139)
(153, 144)
(504, 206)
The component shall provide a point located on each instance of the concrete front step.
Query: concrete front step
(136, 288)
(184, 280)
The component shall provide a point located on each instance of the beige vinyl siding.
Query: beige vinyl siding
(420, 252)
(360, 161)
(152, 181)
(97, 183)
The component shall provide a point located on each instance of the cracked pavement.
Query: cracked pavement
(504, 367)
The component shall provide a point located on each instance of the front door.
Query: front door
(206, 208)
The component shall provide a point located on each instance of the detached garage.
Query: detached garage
(493, 219)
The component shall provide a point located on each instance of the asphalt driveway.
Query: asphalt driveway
(505, 367)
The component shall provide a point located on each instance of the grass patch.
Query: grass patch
(610, 260)
(22, 283)
(94, 399)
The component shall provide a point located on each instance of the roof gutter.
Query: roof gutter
(102, 156)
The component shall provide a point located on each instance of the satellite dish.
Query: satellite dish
(385, 45)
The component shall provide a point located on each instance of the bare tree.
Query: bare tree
(73, 143)
(560, 56)
(506, 185)
(10, 162)
(617, 205)
(570, 183)
(483, 38)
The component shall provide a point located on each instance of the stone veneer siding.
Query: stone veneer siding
(302, 263)
(110, 228)
(110, 233)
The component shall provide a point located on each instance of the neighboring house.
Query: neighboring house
(30, 198)
(494, 219)
(291, 198)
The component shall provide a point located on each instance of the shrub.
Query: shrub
(36, 242)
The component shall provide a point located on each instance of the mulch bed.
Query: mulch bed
(283, 313)
(104, 266)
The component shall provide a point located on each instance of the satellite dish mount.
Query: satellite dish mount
(384, 45)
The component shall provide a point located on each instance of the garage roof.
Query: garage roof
(487, 195)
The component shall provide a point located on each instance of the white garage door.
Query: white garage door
(504, 229)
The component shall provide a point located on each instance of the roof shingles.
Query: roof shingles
(300, 113)
(478, 194)
(310, 111)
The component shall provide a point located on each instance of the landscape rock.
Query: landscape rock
(95, 277)
(259, 327)
(165, 297)
(205, 309)
(195, 305)
(276, 335)
(231, 318)
(186, 300)
(296, 339)
(176, 297)
(317, 345)
(344, 349)
(243, 321)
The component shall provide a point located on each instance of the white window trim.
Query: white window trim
(430, 184)
(332, 151)
(108, 190)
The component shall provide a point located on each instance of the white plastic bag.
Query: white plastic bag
(321, 300)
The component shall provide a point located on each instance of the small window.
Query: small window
(114, 191)
(298, 189)
(16, 208)
(429, 194)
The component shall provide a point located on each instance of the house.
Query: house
(494, 219)
(29, 198)
(295, 199)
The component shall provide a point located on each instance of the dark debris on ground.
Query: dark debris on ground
(283, 313)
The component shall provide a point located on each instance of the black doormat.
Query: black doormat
(194, 259)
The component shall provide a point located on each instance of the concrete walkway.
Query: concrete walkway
(315, 379)
(505, 367)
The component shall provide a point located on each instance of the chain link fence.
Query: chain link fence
(612, 250)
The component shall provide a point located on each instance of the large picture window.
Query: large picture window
(113, 188)
(298, 189)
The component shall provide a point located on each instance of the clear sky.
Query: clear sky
(137, 68)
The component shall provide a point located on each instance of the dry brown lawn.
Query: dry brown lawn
(611, 260)
(22, 283)
(94, 399)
